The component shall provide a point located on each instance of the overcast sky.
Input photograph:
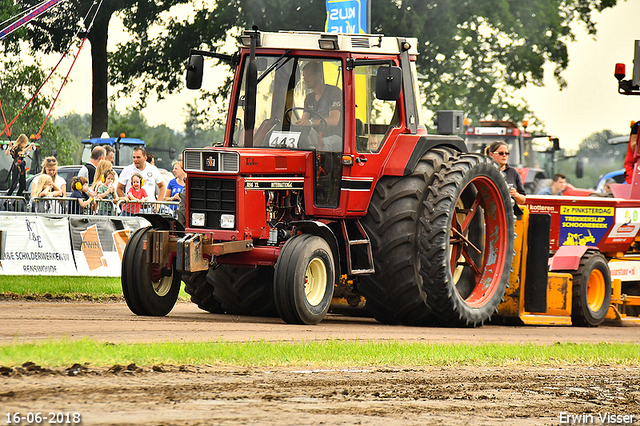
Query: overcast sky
(589, 104)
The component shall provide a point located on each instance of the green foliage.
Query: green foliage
(18, 83)
(198, 132)
(598, 158)
(473, 55)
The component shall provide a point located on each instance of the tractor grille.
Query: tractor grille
(209, 160)
(213, 197)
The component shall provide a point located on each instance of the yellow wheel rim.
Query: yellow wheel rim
(315, 282)
(163, 286)
(596, 290)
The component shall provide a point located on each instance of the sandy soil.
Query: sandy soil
(203, 394)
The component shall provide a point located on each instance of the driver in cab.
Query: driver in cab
(324, 101)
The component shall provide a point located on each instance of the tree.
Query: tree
(599, 157)
(17, 80)
(473, 55)
(54, 32)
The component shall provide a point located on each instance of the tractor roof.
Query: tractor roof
(356, 43)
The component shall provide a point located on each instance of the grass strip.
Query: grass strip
(333, 353)
(64, 287)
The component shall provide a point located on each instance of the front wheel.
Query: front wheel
(149, 289)
(304, 278)
(591, 290)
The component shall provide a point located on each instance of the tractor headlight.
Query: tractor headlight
(197, 219)
(227, 221)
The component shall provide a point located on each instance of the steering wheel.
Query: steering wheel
(287, 114)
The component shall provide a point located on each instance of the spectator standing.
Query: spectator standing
(19, 151)
(80, 190)
(498, 151)
(89, 170)
(135, 193)
(151, 159)
(50, 167)
(630, 158)
(149, 173)
(558, 184)
(111, 157)
(176, 185)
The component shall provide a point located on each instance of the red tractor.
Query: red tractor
(327, 188)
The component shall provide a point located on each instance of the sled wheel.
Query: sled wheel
(244, 291)
(304, 279)
(468, 241)
(197, 286)
(149, 289)
(591, 290)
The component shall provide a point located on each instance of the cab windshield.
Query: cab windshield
(299, 104)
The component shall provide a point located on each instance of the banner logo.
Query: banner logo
(32, 231)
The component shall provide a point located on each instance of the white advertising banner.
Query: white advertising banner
(35, 245)
(70, 245)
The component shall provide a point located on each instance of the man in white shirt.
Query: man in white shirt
(150, 174)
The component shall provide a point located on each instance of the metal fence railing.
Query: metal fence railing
(129, 208)
(10, 203)
(68, 205)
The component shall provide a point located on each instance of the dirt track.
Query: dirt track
(199, 395)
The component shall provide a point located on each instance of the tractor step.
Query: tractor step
(366, 266)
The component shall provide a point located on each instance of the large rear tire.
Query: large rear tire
(201, 292)
(244, 291)
(304, 279)
(591, 290)
(466, 249)
(146, 295)
(395, 293)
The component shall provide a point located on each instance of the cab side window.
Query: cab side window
(374, 117)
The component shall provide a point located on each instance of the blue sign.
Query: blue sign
(346, 16)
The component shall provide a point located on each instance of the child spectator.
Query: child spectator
(80, 186)
(136, 192)
(102, 166)
(43, 186)
(105, 192)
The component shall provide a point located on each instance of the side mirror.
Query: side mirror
(172, 153)
(194, 72)
(389, 83)
(580, 168)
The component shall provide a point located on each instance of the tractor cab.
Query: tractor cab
(333, 97)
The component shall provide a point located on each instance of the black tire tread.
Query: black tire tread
(201, 292)
(448, 308)
(244, 291)
(394, 293)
